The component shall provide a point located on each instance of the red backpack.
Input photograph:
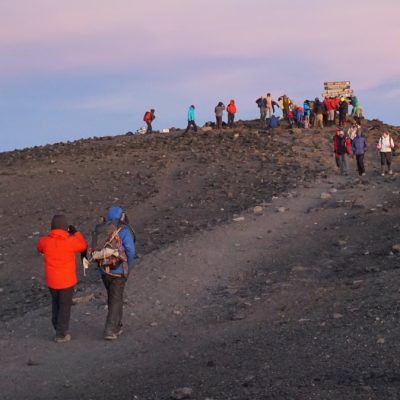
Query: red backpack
(147, 116)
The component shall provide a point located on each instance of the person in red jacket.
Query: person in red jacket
(231, 108)
(341, 147)
(149, 117)
(59, 248)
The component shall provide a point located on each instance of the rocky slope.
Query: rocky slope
(296, 298)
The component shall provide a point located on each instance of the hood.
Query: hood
(114, 213)
(59, 222)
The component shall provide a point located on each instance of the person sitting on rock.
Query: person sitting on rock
(59, 249)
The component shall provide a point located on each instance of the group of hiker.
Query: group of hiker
(355, 144)
(312, 113)
(219, 109)
(113, 250)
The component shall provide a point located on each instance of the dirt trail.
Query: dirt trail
(252, 309)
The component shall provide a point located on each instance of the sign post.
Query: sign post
(337, 89)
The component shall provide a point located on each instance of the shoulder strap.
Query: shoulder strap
(123, 224)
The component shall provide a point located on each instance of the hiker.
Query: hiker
(306, 113)
(59, 248)
(298, 114)
(262, 105)
(359, 146)
(343, 111)
(280, 104)
(385, 146)
(355, 104)
(341, 147)
(352, 131)
(319, 110)
(191, 116)
(274, 104)
(270, 106)
(219, 110)
(286, 105)
(114, 235)
(231, 108)
(149, 117)
(330, 106)
(291, 118)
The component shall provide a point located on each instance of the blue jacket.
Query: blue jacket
(359, 145)
(126, 235)
(191, 115)
(306, 109)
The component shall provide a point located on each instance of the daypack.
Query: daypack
(262, 103)
(107, 249)
(147, 116)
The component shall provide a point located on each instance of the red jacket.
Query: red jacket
(231, 108)
(59, 249)
(330, 104)
(342, 145)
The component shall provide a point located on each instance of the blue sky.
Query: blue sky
(92, 68)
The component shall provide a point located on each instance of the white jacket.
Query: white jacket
(385, 144)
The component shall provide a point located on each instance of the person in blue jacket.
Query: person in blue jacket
(115, 282)
(306, 113)
(359, 146)
(191, 118)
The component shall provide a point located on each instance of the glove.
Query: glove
(72, 229)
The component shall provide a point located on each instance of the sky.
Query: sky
(87, 68)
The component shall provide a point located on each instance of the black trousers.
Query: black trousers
(115, 299)
(149, 127)
(386, 158)
(360, 164)
(61, 309)
(191, 123)
(231, 119)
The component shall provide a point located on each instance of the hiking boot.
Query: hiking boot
(382, 174)
(390, 172)
(110, 336)
(62, 338)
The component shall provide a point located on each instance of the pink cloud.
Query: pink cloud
(45, 36)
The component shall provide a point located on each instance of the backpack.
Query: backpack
(107, 249)
(147, 116)
(261, 102)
